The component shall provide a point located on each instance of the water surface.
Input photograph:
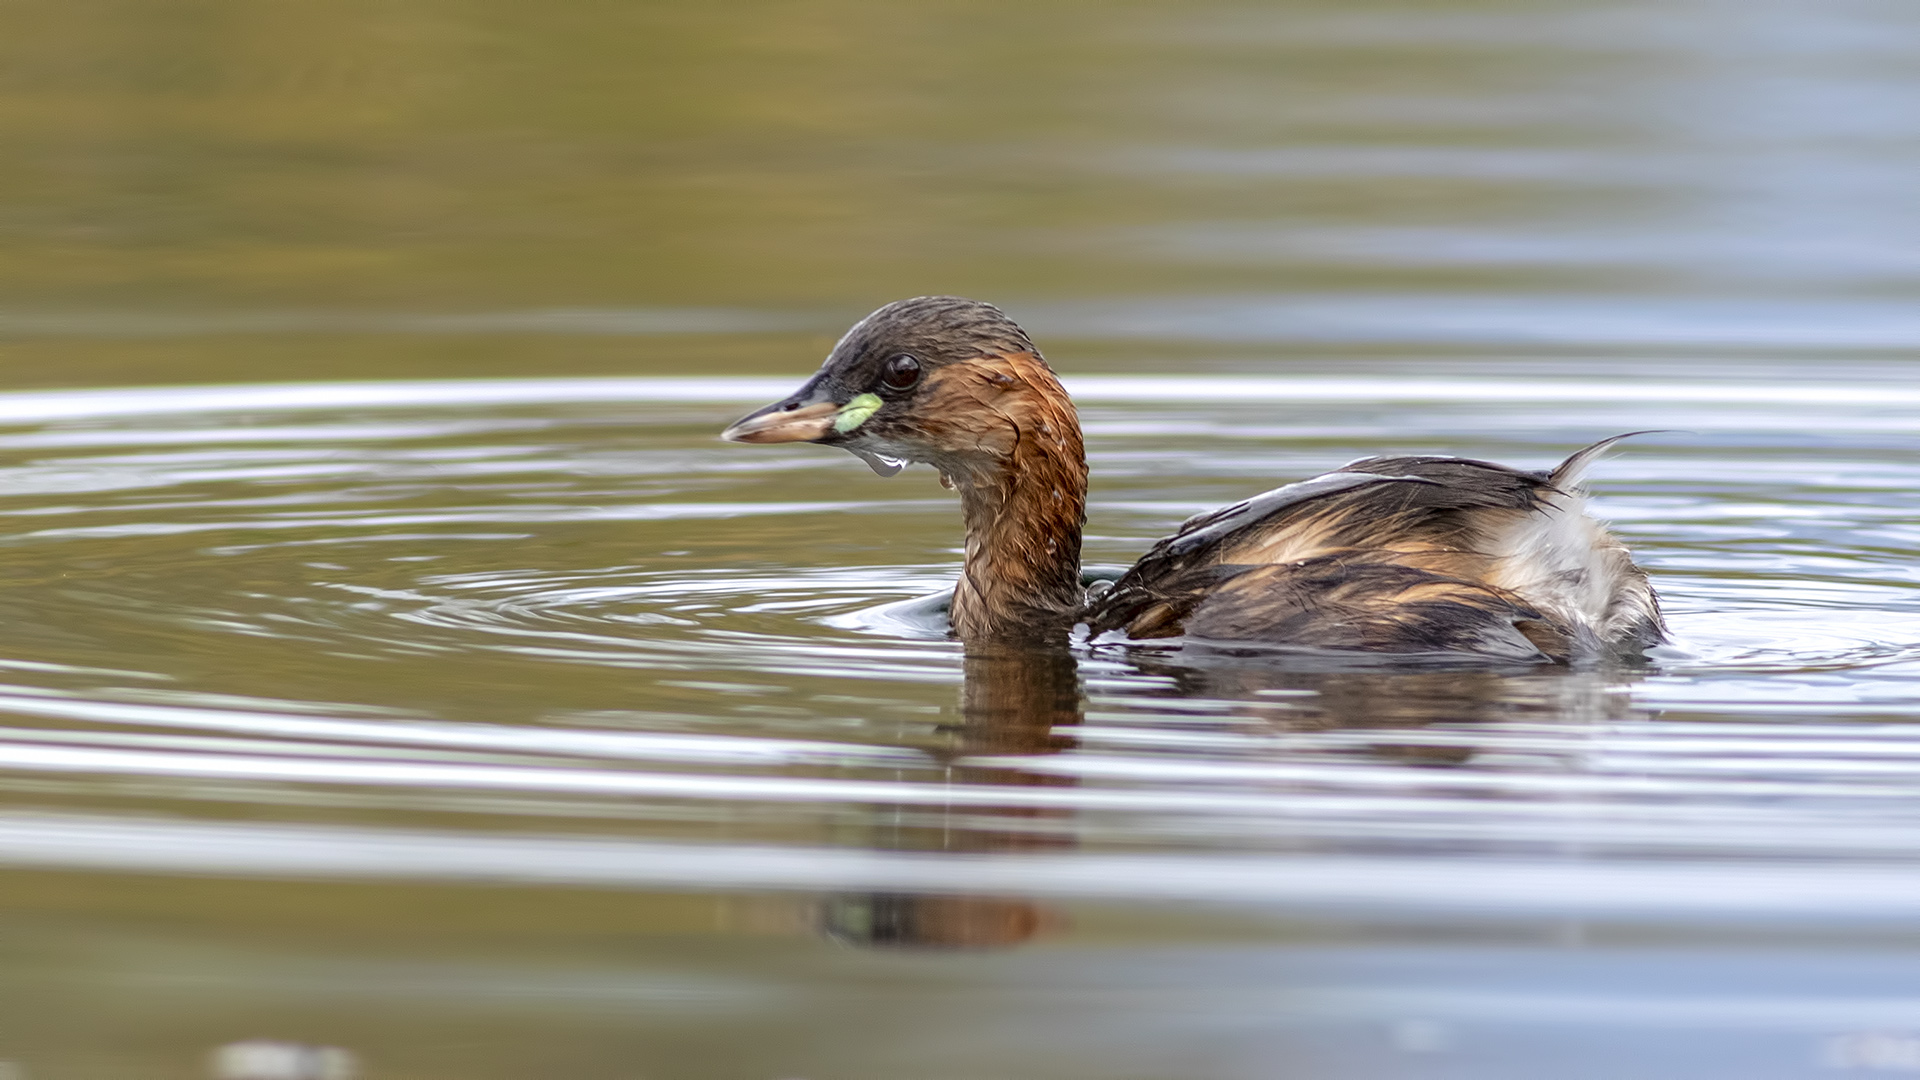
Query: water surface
(424, 647)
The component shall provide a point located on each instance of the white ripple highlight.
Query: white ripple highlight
(40, 406)
(546, 741)
(1397, 887)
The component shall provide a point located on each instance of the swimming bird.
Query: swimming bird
(1389, 555)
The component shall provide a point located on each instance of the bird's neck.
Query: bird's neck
(1023, 517)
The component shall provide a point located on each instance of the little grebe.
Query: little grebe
(1386, 555)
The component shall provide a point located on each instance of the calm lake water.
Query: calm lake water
(393, 660)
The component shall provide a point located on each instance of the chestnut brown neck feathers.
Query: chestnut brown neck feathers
(1011, 446)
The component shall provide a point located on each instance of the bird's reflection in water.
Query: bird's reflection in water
(1311, 694)
(1019, 700)
(1027, 701)
(1381, 696)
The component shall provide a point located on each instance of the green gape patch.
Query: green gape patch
(855, 412)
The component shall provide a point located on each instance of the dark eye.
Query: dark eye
(900, 373)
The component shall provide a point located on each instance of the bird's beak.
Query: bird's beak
(793, 420)
(811, 415)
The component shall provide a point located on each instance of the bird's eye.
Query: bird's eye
(900, 373)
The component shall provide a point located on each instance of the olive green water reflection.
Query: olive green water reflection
(207, 191)
(485, 155)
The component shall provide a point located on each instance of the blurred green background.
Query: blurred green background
(209, 190)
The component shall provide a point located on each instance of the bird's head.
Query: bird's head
(944, 380)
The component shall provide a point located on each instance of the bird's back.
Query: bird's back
(1412, 555)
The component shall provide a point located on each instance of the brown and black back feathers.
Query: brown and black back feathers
(1395, 555)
